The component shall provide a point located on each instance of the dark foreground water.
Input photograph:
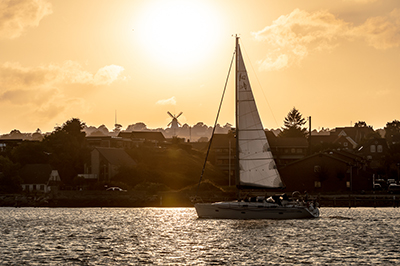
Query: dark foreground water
(174, 236)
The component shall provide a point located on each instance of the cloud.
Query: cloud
(381, 32)
(292, 37)
(170, 101)
(18, 15)
(107, 75)
(23, 97)
(44, 88)
(59, 105)
(14, 76)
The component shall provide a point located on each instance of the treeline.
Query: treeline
(65, 149)
(174, 166)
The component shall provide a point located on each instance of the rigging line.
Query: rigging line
(262, 90)
(215, 124)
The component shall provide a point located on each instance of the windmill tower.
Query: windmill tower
(174, 123)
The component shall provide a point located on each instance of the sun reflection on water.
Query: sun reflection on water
(122, 236)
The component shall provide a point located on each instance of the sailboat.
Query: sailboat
(255, 165)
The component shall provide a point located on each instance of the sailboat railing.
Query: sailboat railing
(215, 125)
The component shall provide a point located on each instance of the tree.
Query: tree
(67, 148)
(30, 152)
(293, 125)
(117, 128)
(140, 126)
(392, 132)
(9, 180)
(361, 124)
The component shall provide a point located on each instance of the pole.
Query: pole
(309, 135)
(351, 178)
(229, 171)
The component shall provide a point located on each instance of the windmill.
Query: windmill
(174, 123)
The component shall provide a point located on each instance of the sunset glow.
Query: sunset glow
(178, 33)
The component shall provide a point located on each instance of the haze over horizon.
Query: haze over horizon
(336, 61)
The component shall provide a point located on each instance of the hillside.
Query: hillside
(169, 168)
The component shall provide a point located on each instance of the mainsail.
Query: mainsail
(255, 161)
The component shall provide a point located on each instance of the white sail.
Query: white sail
(256, 165)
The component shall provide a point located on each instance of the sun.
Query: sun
(178, 33)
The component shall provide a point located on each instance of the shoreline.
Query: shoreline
(136, 199)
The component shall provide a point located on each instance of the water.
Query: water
(174, 236)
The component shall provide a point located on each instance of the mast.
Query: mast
(237, 169)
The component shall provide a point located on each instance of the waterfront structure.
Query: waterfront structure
(39, 178)
(105, 163)
(333, 171)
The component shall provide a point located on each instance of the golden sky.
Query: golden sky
(336, 61)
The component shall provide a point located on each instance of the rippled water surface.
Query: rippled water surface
(174, 236)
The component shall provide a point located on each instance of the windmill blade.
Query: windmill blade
(169, 124)
(170, 114)
(179, 123)
(179, 114)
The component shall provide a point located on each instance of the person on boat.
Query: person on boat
(270, 200)
(305, 196)
(277, 199)
(285, 197)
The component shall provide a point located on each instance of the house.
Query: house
(105, 163)
(351, 137)
(6, 145)
(327, 172)
(108, 142)
(287, 150)
(374, 151)
(139, 137)
(342, 137)
(223, 153)
(39, 178)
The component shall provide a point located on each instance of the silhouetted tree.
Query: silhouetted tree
(392, 159)
(368, 136)
(117, 128)
(103, 129)
(30, 152)
(293, 125)
(361, 124)
(392, 130)
(15, 134)
(140, 126)
(9, 179)
(67, 148)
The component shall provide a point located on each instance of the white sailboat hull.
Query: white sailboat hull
(254, 210)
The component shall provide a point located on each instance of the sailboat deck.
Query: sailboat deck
(257, 204)
(255, 210)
